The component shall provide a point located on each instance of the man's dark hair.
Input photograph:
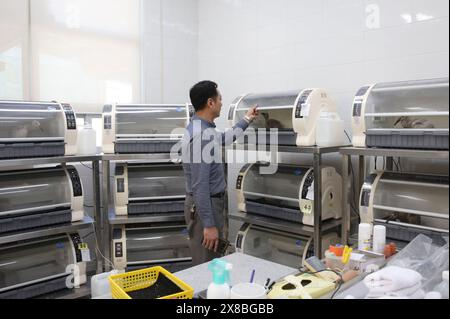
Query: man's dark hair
(201, 93)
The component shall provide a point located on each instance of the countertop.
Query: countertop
(200, 277)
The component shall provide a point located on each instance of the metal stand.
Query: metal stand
(108, 217)
(87, 222)
(319, 225)
(362, 153)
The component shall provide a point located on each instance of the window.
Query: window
(13, 46)
(86, 53)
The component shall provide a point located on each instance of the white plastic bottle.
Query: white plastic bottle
(86, 143)
(220, 287)
(100, 288)
(379, 239)
(443, 287)
(364, 237)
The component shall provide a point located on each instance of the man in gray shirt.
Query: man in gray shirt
(205, 207)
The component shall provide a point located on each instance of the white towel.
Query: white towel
(414, 292)
(393, 280)
(418, 294)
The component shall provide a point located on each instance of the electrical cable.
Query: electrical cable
(98, 249)
(112, 177)
(396, 165)
(87, 235)
(94, 232)
(87, 166)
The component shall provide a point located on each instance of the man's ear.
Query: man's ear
(210, 102)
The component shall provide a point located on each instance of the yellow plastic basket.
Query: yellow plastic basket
(143, 279)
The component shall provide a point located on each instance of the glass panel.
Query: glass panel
(269, 100)
(19, 265)
(403, 195)
(409, 105)
(150, 119)
(31, 121)
(286, 249)
(268, 119)
(156, 181)
(285, 184)
(275, 110)
(33, 189)
(157, 244)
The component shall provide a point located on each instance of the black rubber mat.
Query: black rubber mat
(161, 288)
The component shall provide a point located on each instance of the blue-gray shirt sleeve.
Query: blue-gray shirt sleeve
(231, 135)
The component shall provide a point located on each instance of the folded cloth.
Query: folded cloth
(419, 294)
(414, 292)
(393, 280)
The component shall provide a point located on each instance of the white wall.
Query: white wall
(170, 60)
(269, 45)
(13, 49)
(275, 45)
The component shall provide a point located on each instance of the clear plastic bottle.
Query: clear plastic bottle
(443, 287)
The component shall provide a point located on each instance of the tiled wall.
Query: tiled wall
(270, 45)
(170, 60)
(275, 45)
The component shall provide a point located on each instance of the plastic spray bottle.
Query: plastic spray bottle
(220, 287)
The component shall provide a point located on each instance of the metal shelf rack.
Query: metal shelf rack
(23, 163)
(108, 217)
(362, 153)
(319, 226)
(46, 231)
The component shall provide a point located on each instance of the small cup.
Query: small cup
(248, 291)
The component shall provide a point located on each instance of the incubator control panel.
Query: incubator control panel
(299, 110)
(70, 117)
(76, 182)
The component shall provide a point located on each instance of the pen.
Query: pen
(253, 276)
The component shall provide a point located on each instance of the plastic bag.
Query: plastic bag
(426, 258)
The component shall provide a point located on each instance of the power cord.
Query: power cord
(111, 177)
(98, 250)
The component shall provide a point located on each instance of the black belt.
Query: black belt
(218, 195)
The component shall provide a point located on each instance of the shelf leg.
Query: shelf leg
(361, 173)
(97, 210)
(318, 205)
(390, 164)
(104, 244)
(346, 210)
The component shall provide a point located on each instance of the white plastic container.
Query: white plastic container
(443, 287)
(216, 291)
(379, 239)
(330, 130)
(100, 287)
(87, 141)
(364, 237)
(248, 291)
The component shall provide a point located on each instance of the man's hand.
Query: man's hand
(211, 238)
(253, 113)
